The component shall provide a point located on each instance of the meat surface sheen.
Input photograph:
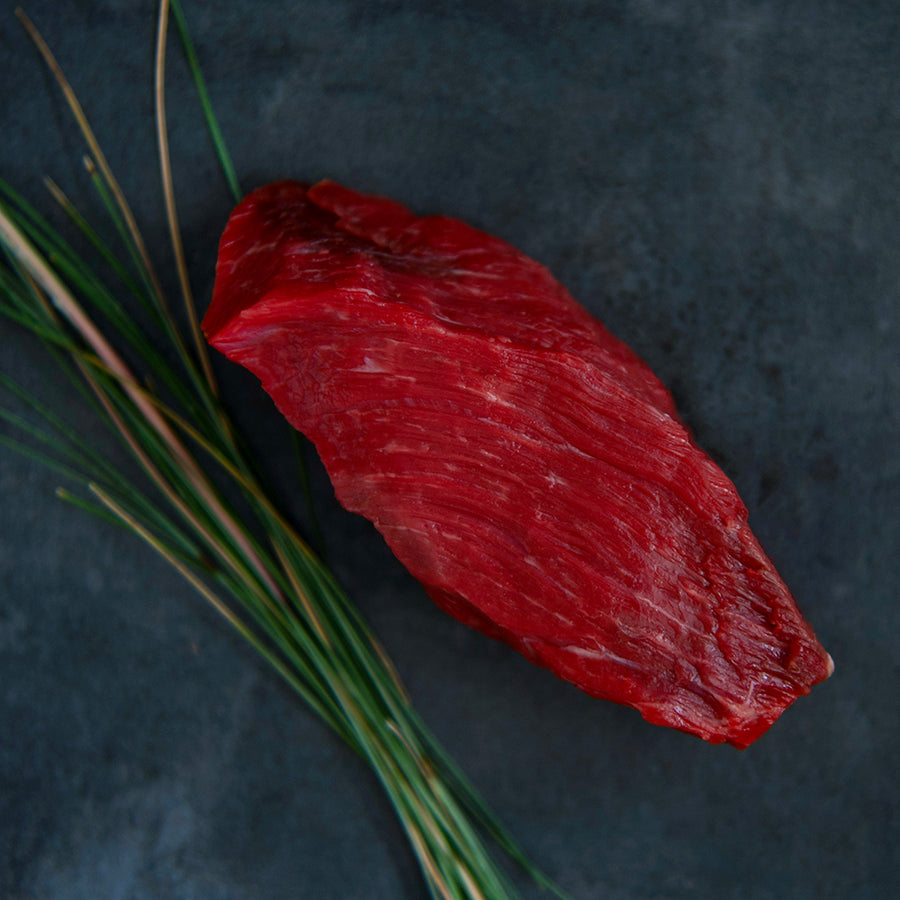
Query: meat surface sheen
(519, 460)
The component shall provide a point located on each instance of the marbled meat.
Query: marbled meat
(524, 464)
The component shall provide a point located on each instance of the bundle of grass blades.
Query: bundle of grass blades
(257, 571)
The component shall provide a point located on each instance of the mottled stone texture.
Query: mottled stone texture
(718, 183)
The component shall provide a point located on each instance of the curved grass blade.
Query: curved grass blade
(209, 115)
(168, 190)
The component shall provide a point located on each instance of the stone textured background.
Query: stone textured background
(717, 181)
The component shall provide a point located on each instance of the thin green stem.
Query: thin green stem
(208, 113)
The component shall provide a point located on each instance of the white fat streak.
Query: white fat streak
(259, 247)
(369, 365)
(600, 654)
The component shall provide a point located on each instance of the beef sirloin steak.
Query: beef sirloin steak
(519, 460)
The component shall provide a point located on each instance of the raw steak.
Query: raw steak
(521, 461)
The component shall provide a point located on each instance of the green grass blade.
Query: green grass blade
(212, 122)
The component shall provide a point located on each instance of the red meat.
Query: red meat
(519, 460)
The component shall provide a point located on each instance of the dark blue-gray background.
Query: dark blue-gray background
(720, 183)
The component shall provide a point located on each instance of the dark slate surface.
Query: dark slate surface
(718, 182)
